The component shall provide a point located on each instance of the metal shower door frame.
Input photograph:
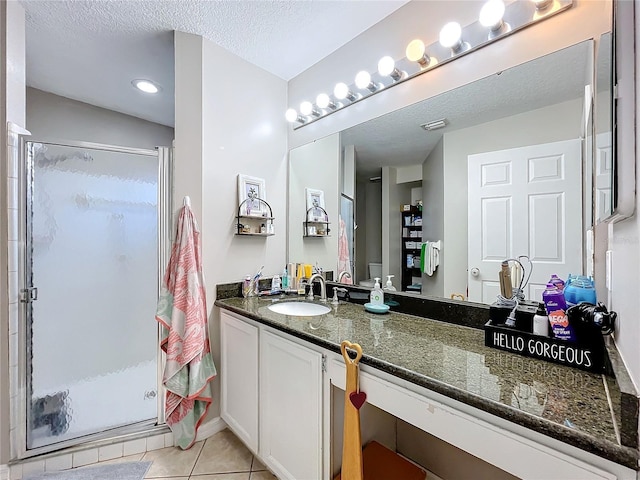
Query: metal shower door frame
(29, 291)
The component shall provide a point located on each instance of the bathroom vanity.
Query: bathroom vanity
(281, 375)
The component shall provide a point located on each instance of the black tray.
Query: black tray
(585, 355)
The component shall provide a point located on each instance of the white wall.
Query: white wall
(12, 109)
(317, 166)
(228, 125)
(369, 231)
(394, 194)
(51, 117)
(433, 193)
(409, 173)
(562, 122)
(348, 171)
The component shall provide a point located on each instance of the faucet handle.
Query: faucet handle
(334, 300)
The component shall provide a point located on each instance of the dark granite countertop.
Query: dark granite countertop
(564, 403)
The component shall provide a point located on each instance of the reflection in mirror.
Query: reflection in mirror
(504, 177)
(603, 160)
(346, 245)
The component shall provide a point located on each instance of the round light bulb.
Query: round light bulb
(146, 86)
(386, 66)
(363, 79)
(450, 35)
(291, 115)
(341, 90)
(542, 4)
(306, 108)
(415, 50)
(491, 14)
(323, 100)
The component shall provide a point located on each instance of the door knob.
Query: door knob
(475, 272)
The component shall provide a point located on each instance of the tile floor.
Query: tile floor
(220, 457)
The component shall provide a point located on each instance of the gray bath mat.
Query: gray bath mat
(113, 471)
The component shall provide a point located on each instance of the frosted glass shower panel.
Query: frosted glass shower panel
(94, 260)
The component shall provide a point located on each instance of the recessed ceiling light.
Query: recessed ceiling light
(147, 86)
(435, 124)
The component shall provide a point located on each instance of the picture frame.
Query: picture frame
(252, 188)
(315, 201)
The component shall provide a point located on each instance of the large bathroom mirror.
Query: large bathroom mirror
(519, 134)
(603, 130)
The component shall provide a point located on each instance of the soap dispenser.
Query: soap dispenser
(377, 295)
(389, 286)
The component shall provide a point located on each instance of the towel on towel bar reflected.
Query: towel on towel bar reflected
(430, 257)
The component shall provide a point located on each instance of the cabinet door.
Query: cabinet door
(290, 408)
(239, 377)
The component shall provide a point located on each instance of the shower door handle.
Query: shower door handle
(29, 294)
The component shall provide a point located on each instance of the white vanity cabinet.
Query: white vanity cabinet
(272, 397)
(239, 378)
(290, 408)
(277, 397)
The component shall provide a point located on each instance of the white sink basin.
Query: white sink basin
(299, 309)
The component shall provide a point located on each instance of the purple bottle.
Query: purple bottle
(557, 310)
(557, 281)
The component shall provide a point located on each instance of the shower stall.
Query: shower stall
(96, 237)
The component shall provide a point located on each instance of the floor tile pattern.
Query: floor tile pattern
(220, 457)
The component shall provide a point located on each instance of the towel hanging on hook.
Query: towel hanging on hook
(187, 201)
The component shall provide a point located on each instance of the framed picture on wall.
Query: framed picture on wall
(251, 189)
(315, 201)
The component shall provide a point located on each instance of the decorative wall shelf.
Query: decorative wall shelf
(316, 223)
(258, 224)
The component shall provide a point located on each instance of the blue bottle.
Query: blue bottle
(584, 290)
(556, 307)
(570, 291)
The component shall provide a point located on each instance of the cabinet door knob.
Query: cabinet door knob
(475, 272)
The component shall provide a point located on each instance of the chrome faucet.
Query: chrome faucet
(323, 288)
(343, 274)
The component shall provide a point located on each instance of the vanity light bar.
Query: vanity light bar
(497, 21)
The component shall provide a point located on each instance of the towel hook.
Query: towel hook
(187, 201)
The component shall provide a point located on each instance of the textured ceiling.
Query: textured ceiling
(90, 50)
(396, 139)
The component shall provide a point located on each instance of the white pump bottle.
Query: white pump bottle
(377, 295)
(389, 286)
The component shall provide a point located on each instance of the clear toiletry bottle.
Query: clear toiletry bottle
(377, 295)
(389, 286)
(541, 322)
(276, 283)
(246, 286)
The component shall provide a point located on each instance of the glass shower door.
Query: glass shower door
(92, 285)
